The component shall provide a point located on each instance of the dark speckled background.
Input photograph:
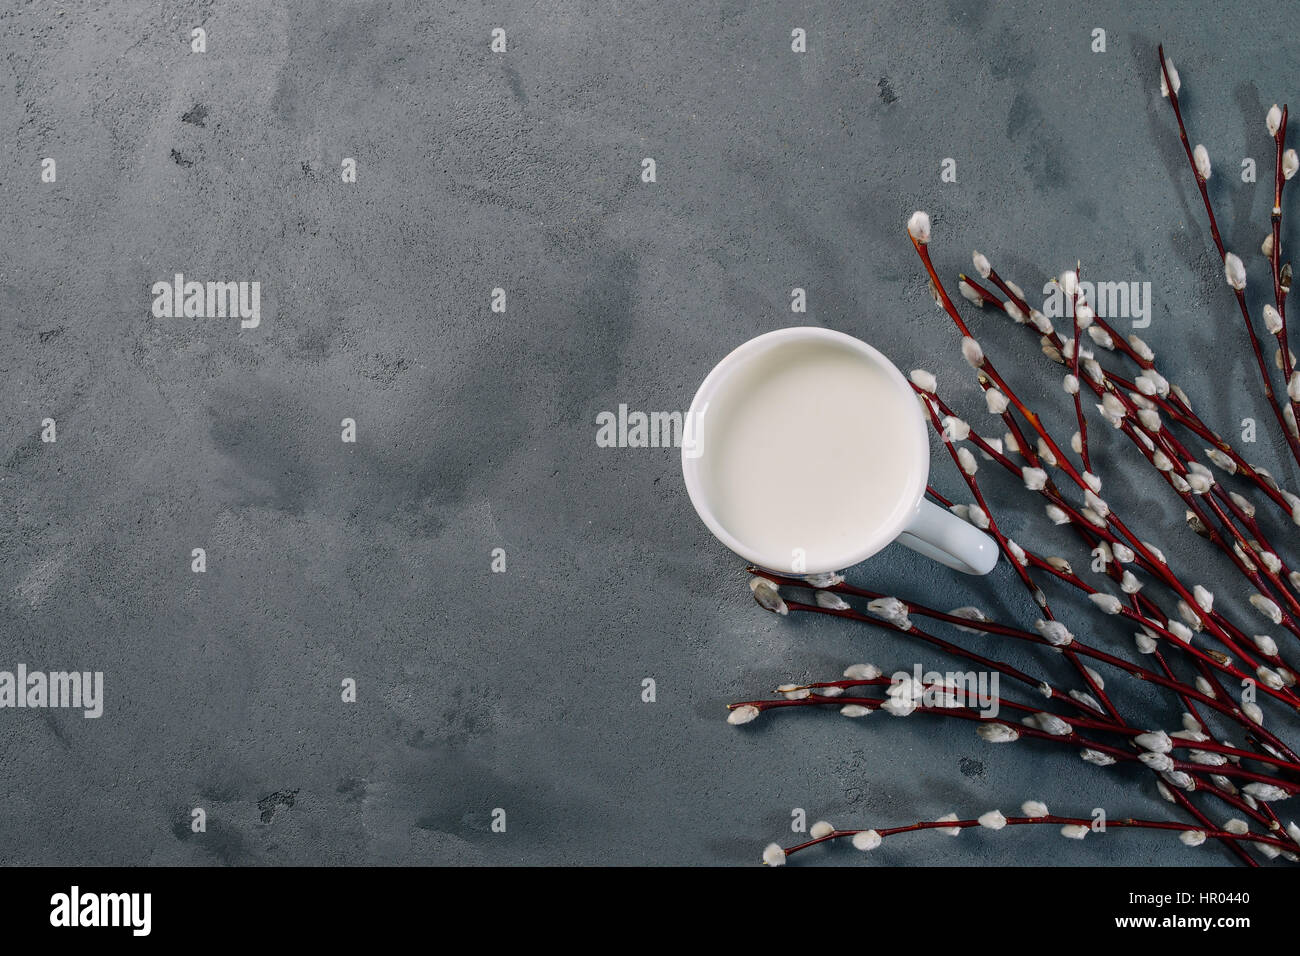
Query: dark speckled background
(476, 430)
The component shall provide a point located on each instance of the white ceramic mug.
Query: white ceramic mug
(778, 446)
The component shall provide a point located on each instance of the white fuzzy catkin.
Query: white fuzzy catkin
(1173, 82)
(1155, 741)
(1269, 677)
(993, 820)
(1273, 120)
(1267, 646)
(1074, 831)
(831, 601)
(1204, 598)
(955, 429)
(1141, 348)
(862, 672)
(997, 402)
(742, 715)
(899, 706)
(924, 380)
(1290, 163)
(967, 461)
(827, 579)
(820, 829)
(892, 610)
(1266, 607)
(919, 227)
(1096, 504)
(981, 263)
(1035, 478)
(972, 352)
(1054, 632)
(1096, 757)
(1202, 159)
(1107, 602)
(773, 855)
(866, 840)
(1101, 337)
(1234, 271)
(767, 595)
(1049, 723)
(1158, 762)
(855, 710)
(1034, 809)
(1221, 460)
(1265, 791)
(995, 733)
(969, 614)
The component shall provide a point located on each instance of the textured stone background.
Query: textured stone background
(476, 170)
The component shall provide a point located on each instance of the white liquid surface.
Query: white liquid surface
(810, 446)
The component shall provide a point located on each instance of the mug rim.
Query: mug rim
(692, 470)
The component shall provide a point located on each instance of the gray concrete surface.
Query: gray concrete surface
(477, 430)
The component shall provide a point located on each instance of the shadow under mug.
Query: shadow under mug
(910, 519)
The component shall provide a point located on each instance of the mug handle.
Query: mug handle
(948, 539)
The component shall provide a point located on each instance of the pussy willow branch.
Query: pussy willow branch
(1197, 776)
(1146, 410)
(1275, 253)
(1144, 609)
(1278, 843)
(1175, 405)
(1050, 693)
(1274, 587)
(988, 373)
(1292, 442)
(1036, 592)
(1180, 457)
(1229, 710)
(1078, 403)
(816, 697)
(1209, 780)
